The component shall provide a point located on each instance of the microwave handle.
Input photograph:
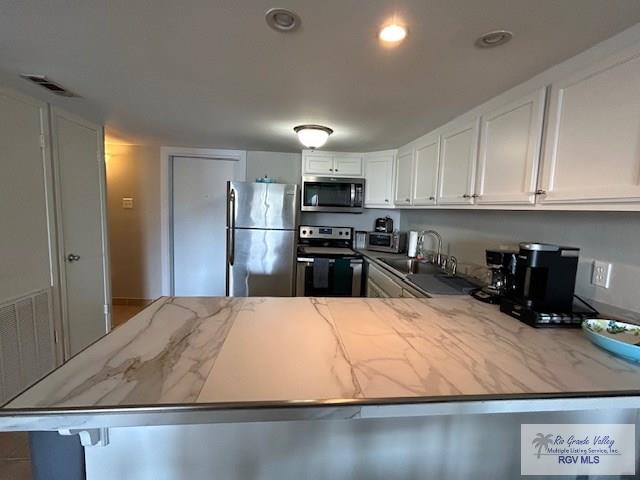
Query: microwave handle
(353, 194)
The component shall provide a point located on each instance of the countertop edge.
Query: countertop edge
(80, 418)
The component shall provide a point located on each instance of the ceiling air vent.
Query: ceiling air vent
(50, 85)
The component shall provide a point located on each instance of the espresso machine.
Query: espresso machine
(499, 262)
(539, 287)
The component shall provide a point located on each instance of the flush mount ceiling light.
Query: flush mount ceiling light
(494, 39)
(282, 20)
(312, 136)
(393, 33)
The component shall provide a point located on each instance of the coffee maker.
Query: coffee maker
(499, 262)
(539, 286)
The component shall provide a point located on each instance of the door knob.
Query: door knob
(72, 257)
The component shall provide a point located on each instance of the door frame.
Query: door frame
(166, 194)
(102, 184)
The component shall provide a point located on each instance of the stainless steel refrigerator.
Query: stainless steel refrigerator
(262, 222)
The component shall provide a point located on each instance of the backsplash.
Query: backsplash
(359, 221)
(608, 236)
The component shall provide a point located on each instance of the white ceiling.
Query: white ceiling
(211, 73)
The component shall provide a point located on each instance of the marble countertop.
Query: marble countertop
(214, 351)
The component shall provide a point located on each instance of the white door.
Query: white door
(592, 151)
(347, 165)
(458, 155)
(318, 163)
(79, 162)
(425, 175)
(199, 222)
(510, 139)
(404, 172)
(378, 175)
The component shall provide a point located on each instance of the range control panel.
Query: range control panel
(325, 233)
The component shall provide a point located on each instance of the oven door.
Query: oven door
(332, 194)
(341, 282)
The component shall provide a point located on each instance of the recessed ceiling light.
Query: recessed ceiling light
(282, 20)
(393, 33)
(312, 136)
(493, 39)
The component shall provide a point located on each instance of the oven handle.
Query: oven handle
(353, 261)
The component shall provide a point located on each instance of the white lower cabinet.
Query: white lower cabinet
(509, 152)
(378, 175)
(381, 284)
(592, 152)
(425, 171)
(404, 177)
(458, 155)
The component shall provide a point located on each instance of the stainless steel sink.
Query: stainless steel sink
(407, 266)
(429, 277)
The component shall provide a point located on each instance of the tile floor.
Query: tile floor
(15, 460)
(15, 463)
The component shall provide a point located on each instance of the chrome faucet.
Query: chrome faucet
(435, 235)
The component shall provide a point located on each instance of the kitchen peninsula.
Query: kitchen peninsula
(196, 362)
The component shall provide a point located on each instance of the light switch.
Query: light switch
(127, 202)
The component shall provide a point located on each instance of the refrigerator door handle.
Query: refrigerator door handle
(232, 226)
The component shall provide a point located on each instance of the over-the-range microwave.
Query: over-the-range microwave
(332, 194)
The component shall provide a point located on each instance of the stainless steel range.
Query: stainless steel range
(327, 265)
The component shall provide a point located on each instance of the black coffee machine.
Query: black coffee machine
(540, 286)
(499, 263)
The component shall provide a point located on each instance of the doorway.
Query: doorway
(197, 220)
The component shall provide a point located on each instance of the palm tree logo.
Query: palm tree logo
(542, 441)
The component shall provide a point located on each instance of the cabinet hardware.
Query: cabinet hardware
(336, 170)
(432, 198)
(72, 257)
(466, 195)
(386, 200)
(475, 195)
(331, 169)
(540, 192)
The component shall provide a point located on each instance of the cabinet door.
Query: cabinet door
(347, 165)
(458, 155)
(425, 174)
(318, 164)
(404, 172)
(592, 152)
(509, 152)
(378, 175)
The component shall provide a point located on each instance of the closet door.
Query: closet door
(79, 164)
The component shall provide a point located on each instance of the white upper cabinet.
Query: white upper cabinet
(425, 171)
(510, 139)
(378, 175)
(317, 163)
(458, 155)
(331, 163)
(346, 164)
(404, 177)
(592, 152)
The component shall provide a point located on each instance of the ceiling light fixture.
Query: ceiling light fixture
(282, 20)
(494, 39)
(312, 136)
(393, 33)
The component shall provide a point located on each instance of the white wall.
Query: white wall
(610, 236)
(284, 167)
(134, 234)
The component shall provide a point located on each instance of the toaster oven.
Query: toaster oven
(394, 242)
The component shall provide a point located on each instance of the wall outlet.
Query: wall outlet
(127, 202)
(601, 276)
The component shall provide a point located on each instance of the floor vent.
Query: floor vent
(50, 85)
